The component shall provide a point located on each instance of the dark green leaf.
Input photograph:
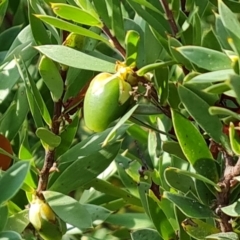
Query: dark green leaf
(68, 209)
(145, 234)
(17, 222)
(84, 169)
(190, 207)
(132, 43)
(74, 58)
(199, 110)
(223, 236)
(198, 229)
(3, 216)
(48, 137)
(13, 178)
(191, 141)
(18, 111)
(75, 14)
(51, 77)
(10, 235)
(206, 58)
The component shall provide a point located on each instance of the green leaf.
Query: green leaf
(173, 45)
(67, 136)
(68, 209)
(221, 32)
(144, 234)
(153, 66)
(17, 222)
(206, 58)
(194, 175)
(109, 189)
(178, 181)
(130, 220)
(48, 137)
(153, 22)
(212, 77)
(223, 112)
(234, 139)
(190, 207)
(173, 148)
(223, 236)
(52, 77)
(232, 210)
(84, 169)
(74, 58)
(198, 109)
(190, 139)
(117, 21)
(3, 216)
(218, 88)
(97, 212)
(33, 106)
(102, 10)
(161, 77)
(180, 217)
(234, 83)
(13, 179)
(10, 235)
(61, 24)
(198, 229)
(154, 212)
(229, 19)
(3, 9)
(147, 5)
(18, 111)
(39, 32)
(25, 75)
(75, 14)
(211, 41)
(123, 119)
(132, 43)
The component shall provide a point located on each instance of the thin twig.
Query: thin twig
(50, 153)
(114, 40)
(170, 17)
(226, 183)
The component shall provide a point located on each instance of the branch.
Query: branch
(114, 40)
(170, 17)
(223, 197)
(50, 154)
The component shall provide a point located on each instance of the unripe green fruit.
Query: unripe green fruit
(106, 99)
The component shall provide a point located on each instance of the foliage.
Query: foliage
(168, 168)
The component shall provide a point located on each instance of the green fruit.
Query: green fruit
(107, 99)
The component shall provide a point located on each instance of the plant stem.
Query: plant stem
(170, 17)
(114, 40)
(226, 183)
(50, 154)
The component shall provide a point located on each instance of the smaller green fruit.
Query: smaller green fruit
(106, 99)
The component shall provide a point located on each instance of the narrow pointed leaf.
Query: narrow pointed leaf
(13, 179)
(190, 139)
(206, 58)
(190, 207)
(198, 229)
(75, 14)
(76, 59)
(61, 24)
(68, 209)
(199, 110)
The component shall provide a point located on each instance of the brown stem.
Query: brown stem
(226, 183)
(170, 17)
(50, 153)
(114, 40)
